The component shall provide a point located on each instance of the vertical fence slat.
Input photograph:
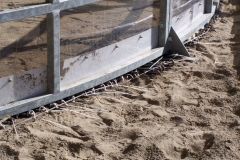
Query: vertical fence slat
(208, 6)
(53, 47)
(165, 21)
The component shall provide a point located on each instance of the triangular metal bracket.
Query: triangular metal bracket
(174, 44)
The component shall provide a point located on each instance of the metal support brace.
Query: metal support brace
(208, 6)
(216, 3)
(168, 38)
(165, 21)
(53, 51)
(174, 44)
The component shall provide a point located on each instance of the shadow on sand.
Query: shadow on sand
(235, 48)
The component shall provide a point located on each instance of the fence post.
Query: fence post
(165, 21)
(53, 51)
(208, 6)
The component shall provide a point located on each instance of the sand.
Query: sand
(188, 112)
(23, 43)
(14, 4)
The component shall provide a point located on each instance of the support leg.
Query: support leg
(174, 44)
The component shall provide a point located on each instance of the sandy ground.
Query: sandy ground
(22, 42)
(14, 4)
(23, 45)
(174, 117)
